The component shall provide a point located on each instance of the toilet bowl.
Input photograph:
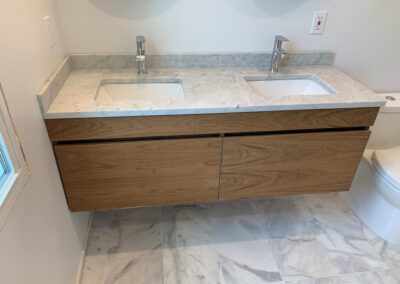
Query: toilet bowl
(375, 193)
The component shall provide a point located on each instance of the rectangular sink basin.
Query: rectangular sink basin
(296, 86)
(148, 89)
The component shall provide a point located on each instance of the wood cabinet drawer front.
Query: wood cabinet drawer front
(139, 173)
(175, 125)
(290, 164)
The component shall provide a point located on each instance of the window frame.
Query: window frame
(19, 174)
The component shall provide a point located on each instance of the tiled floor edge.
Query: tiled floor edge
(83, 252)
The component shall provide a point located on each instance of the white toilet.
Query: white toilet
(375, 193)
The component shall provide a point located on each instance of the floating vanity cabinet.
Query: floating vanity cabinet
(118, 162)
(139, 173)
(76, 129)
(274, 165)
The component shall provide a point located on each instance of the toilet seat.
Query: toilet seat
(387, 164)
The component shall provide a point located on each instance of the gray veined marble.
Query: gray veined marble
(293, 239)
(390, 253)
(207, 90)
(356, 278)
(281, 218)
(310, 239)
(210, 87)
(199, 60)
(137, 257)
(310, 58)
(125, 247)
(54, 83)
(342, 234)
(189, 253)
(302, 258)
(250, 262)
(389, 276)
(103, 236)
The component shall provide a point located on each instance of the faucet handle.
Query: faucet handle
(140, 43)
(140, 39)
(279, 40)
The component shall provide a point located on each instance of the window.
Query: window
(6, 167)
(13, 167)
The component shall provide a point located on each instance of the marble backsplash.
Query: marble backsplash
(198, 60)
(52, 86)
(54, 83)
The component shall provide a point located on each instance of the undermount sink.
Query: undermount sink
(292, 86)
(146, 89)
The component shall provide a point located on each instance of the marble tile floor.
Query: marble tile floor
(309, 239)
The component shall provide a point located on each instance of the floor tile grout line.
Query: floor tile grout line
(323, 232)
(264, 235)
(350, 274)
(383, 260)
(215, 244)
(324, 227)
(107, 260)
(284, 278)
(90, 223)
(258, 217)
(162, 244)
(387, 262)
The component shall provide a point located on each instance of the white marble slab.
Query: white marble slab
(281, 218)
(189, 254)
(244, 253)
(341, 234)
(102, 238)
(389, 276)
(207, 90)
(124, 246)
(52, 86)
(359, 278)
(137, 256)
(389, 252)
(196, 60)
(310, 239)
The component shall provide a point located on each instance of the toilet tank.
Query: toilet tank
(386, 131)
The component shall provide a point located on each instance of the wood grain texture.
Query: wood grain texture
(157, 126)
(276, 165)
(127, 174)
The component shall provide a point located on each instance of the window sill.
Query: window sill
(12, 194)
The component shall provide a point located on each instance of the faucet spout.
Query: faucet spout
(141, 55)
(278, 53)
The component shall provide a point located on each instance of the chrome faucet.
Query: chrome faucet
(141, 55)
(278, 54)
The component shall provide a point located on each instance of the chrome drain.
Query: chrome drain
(390, 98)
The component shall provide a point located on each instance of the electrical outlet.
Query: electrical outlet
(49, 32)
(318, 23)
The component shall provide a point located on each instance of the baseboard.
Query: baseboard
(82, 257)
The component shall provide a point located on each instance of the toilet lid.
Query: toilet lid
(387, 163)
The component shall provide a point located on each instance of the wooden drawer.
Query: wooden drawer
(178, 125)
(275, 165)
(139, 173)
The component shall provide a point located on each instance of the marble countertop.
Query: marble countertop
(207, 90)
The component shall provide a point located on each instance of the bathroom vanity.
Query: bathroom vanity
(223, 141)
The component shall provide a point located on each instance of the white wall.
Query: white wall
(364, 33)
(41, 242)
